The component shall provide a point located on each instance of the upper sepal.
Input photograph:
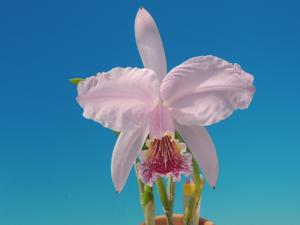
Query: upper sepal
(149, 43)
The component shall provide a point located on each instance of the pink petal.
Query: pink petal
(161, 121)
(149, 43)
(203, 150)
(120, 99)
(126, 150)
(205, 90)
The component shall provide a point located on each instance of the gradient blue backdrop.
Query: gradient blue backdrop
(55, 165)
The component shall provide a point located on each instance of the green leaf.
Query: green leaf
(76, 81)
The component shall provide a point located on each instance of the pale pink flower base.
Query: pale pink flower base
(178, 220)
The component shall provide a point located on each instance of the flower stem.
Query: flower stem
(146, 200)
(140, 183)
(199, 183)
(171, 193)
(194, 202)
(148, 205)
(164, 200)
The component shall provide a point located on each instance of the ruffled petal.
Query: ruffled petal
(120, 99)
(126, 150)
(203, 150)
(149, 43)
(205, 90)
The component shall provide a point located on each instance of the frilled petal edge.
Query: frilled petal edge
(121, 98)
(205, 90)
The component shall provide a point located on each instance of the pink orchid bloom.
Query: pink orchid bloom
(140, 102)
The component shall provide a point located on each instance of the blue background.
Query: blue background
(55, 165)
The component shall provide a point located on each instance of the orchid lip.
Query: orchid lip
(164, 157)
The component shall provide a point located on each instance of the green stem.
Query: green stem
(146, 200)
(148, 205)
(140, 183)
(164, 200)
(199, 184)
(171, 193)
(194, 201)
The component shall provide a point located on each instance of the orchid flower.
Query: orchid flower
(149, 102)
